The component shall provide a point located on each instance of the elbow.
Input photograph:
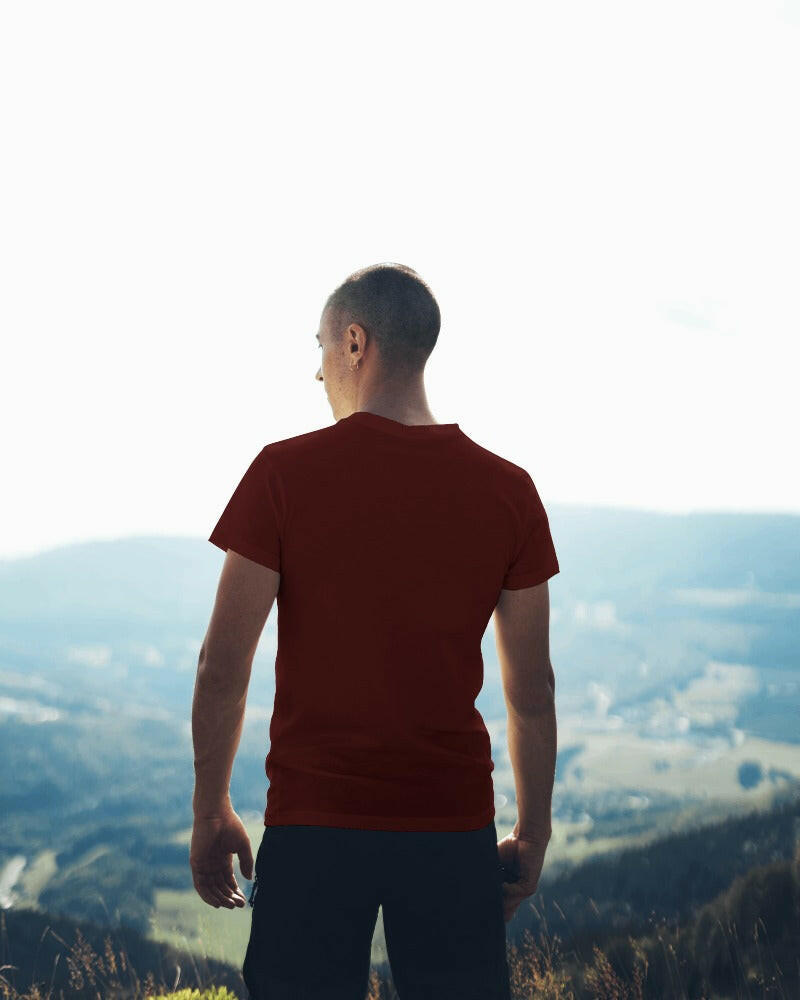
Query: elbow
(533, 702)
(540, 690)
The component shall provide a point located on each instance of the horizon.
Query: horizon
(553, 508)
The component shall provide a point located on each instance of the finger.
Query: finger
(223, 878)
(218, 899)
(236, 893)
(224, 873)
(209, 890)
(209, 895)
(246, 859)
(233, 887)
(224, 891)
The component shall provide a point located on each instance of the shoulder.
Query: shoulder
(299, 447)
(506, 473)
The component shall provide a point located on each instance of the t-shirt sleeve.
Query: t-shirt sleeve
(535, 558)
(251, 521)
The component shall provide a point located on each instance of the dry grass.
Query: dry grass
(537, 972)
(534, 974)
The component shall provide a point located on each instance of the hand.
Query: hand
(215, 839)
(524, 858)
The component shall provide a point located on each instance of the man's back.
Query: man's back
(393, 542)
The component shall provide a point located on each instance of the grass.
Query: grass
(537, 972)
(742, 945)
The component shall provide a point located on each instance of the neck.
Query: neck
(408, 408)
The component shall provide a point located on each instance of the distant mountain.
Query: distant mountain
(674, 641)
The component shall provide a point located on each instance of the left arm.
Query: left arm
(245, 595)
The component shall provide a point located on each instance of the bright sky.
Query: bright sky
(603, 197)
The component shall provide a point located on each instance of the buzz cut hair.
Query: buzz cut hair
(395, 306)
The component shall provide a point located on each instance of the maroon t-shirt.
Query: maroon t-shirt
(393, 543)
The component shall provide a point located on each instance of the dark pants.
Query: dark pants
(315, 902)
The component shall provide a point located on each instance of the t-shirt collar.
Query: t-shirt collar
(365, 418)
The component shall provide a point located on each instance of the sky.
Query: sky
(603, 198)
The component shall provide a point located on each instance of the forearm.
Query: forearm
(217, 722)
(532, 744)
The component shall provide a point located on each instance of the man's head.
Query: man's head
(376, 332)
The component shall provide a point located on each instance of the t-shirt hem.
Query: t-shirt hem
(270, 560)
(294, 817)
(529, 579)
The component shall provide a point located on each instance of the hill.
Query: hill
(709, 912)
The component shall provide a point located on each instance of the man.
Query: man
(389, 541)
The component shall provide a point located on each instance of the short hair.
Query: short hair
(396, 307)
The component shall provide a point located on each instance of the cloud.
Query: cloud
(734, 597)
(601, 697)
(598, 614)
(90, 656)
(28, 711)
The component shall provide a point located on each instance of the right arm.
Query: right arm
(522, 627)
